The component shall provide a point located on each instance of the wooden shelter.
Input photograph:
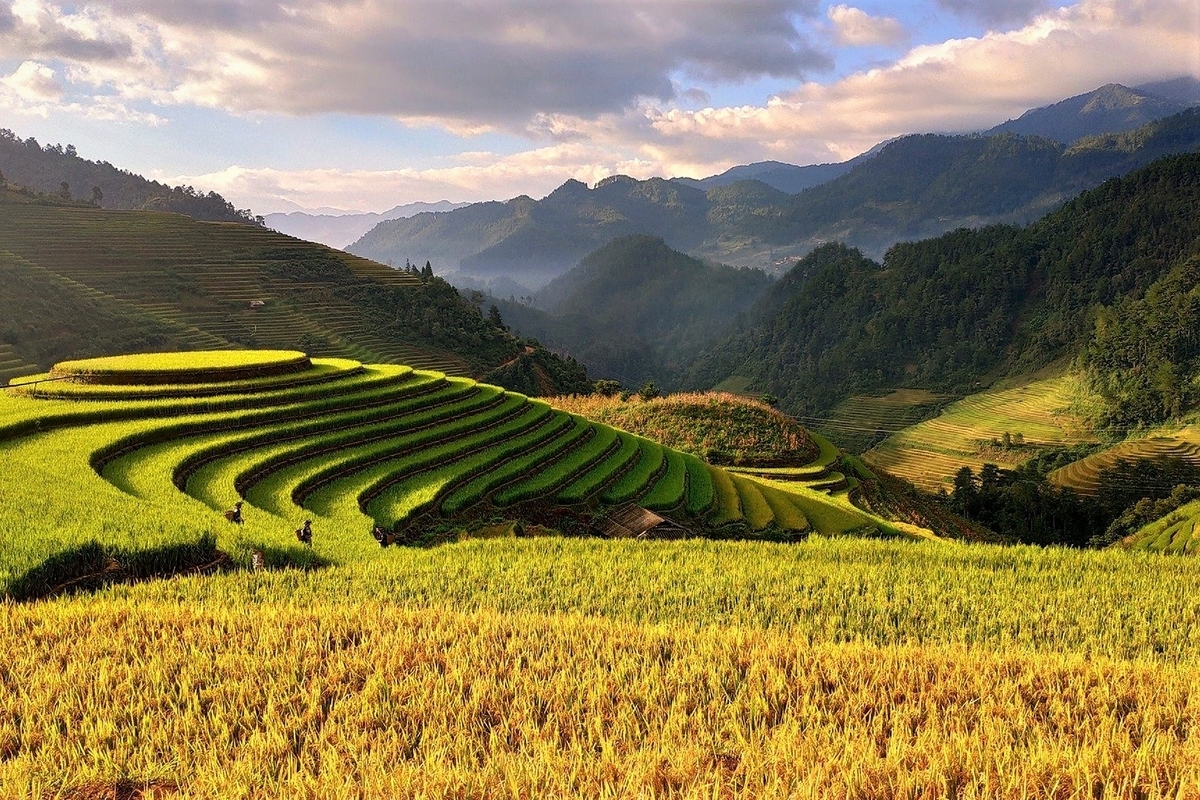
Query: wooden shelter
(631, 521)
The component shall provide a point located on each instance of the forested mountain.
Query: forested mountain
(532, 241)
(635, 304)
(1110, 109)
(60, 170)
(949, 312)
(914, 187)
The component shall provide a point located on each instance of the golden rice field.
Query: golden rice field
(929, 453)
(856, 422)
(574, 668)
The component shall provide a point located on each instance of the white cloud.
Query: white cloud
(959, 85)
(853, 26)
(33, 82)
(34, 89)
(465, 63)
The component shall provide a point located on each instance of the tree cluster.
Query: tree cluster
(59, 170)
(1144, 352)
(1022, 505)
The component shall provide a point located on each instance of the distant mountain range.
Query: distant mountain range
(787, 178)
(339, 230)
(914, 187)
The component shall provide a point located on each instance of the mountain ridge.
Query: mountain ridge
(914, 187)
(1112, 108)
(957, 311)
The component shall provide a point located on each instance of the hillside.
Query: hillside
(945, 314)
(633, 307)
(500, 664)
(85, 281)
(916, 186)
(1005, 427)
(720, 428)
(61, 170)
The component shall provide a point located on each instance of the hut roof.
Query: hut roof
(631, 521)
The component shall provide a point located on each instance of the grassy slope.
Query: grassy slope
(857, 422)
(1176, 533)
(168, 275)
(757, 434)
(722, 428)
(1167, 442)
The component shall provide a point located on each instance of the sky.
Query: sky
(366, 104)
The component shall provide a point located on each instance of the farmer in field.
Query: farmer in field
(304, 533)
(234, 514)
(384, 536)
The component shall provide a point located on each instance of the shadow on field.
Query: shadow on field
(90, 567)
(275, 557)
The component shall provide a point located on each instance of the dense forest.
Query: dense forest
(951, 312)
(1144, 352)
(60, 170)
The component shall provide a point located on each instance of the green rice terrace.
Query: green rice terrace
(130, 463)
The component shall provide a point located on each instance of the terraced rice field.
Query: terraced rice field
(12, 365)
(930, 453)
(353, 447)
(1084, 475)
(857, 421)
(533, 667)
(819, 475)
(203, 276)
